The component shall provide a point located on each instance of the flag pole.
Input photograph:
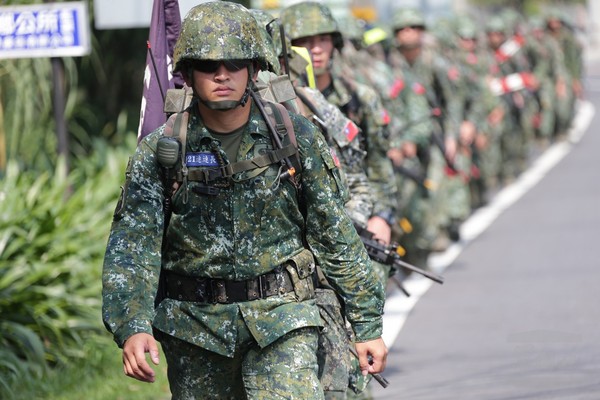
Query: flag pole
(162, 93)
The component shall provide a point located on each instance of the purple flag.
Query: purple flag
(158, 75)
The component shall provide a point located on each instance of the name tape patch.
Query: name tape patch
(201, 160)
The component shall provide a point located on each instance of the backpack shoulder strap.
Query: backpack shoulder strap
(176, 128)
(280, 118)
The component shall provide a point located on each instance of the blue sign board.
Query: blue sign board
(44, 30)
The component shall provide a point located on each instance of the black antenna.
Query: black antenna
(286, 61)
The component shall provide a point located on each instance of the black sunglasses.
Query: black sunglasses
(420, 27)
(210, 66)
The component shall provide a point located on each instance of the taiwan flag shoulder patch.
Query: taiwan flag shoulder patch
(351, 131)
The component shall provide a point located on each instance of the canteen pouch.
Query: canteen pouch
(301, 268)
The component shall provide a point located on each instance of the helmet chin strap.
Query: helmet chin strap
(226, 105)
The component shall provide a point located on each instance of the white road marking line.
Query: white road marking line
(398, 306)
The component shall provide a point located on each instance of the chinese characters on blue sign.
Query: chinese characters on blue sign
(44, 30)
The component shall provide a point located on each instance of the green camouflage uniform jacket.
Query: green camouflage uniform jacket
(573, 52)
(433, 75)
(252, 226)
(344, 137)
(363, 105)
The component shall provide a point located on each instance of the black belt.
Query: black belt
(210, 290)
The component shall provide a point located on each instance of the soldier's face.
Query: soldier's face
(538, 33)
(467, 44)
(495, 39)
(409, 36)
(219, 80)
(554, 24)
(321, 49)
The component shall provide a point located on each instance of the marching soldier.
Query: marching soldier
(237, 317)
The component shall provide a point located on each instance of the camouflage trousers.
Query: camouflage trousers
(286, 369)
(565, 112)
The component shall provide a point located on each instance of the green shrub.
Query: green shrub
(53, 233)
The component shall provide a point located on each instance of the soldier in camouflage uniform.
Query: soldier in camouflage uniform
(479, 104)
(344, 139)
(455, 186)
(238, 319)
(529, 111)
(573, 56)
(506, 61)
(364, 61)
(548, 65)
(426, 73)
(311, 25)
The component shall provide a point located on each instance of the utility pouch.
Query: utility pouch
(301, 268)
(333, 356)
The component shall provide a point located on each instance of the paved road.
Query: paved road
(519, 314)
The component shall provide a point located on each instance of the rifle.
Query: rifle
(388, 255)
(438, 135)
(415, 176)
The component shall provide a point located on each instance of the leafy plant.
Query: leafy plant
(53, 233)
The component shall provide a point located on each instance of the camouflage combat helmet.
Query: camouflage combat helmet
(308, 19)
(352, 28)
(466, 28)
(444, 33)
(268, 23)
(496, 24)
(272, 26)
(513, 20)
(553, 13)
(536, 22)
(405, 17)
(219, 30)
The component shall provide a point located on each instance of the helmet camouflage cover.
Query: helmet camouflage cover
(310, 18)
(405, 17)
(351, 28)
(265, 22)
(496, 24)
(272, 26)
(465, 27)
(219, 30)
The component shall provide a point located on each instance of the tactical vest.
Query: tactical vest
(171, 150)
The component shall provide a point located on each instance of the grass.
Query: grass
(98, 376)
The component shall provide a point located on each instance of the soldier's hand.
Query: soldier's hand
(134, 357)
(561, 88)
(382, 231)
(409, 149)
(577, 88)
(395, 154)
(372, 356)
(450, 147)
(468, 130)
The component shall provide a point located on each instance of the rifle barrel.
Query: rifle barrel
(433, 277)
(398, 283)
